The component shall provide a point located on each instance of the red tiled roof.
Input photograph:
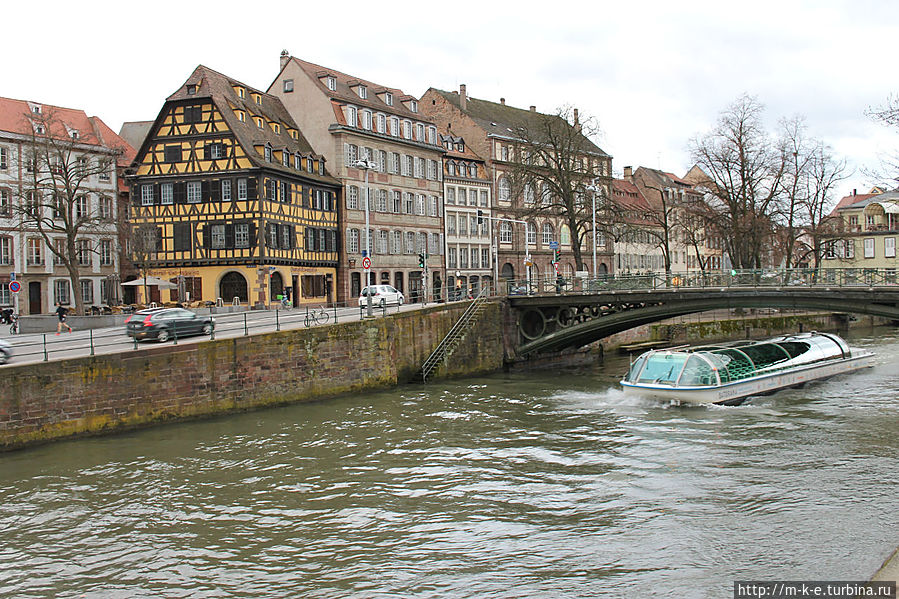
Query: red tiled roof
(852, 199)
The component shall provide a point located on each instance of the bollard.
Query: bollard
(277, 321)
(92, 341)
(45, 347)
(246, 331)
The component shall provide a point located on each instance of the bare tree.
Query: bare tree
(53, 199)
(556, 164)
(146, 240)
(887, 114)
(744, 168)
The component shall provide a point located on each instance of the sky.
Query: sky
(653, 73)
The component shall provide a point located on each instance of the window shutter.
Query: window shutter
(207, 237)
(179, 193)
(229, 236)
(206, 152)
(251, 188)
(293, 237)
(252, 235)
(156, 193)
(215, 190)
(204, 190)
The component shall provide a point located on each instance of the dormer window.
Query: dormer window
(241, 92)
(241, 116)
(331, 82)
(285, 158)
(363, 92)
(258, 99)
(297, 161)
(191, 89)
(74, 134)
(36, 108)
(413, 105)
(321, 168)
(268, 153)
(388, 99)
(276, 128)
(259, 122)
(39, 129)
(310, 165)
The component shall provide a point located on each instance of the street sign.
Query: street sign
(553, 245)
(528, 263)
(12, 276)
(14, 286)
(366, 263)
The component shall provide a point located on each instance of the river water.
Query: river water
(518, 485)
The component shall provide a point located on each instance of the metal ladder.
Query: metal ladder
(449, 344)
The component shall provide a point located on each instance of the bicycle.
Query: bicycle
(316, 316)
(14, 324)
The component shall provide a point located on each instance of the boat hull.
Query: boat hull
(737, 391)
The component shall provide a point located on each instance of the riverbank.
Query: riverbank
(889, 570)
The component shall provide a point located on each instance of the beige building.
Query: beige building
(469, 251)
(868, 225)
(350, 120)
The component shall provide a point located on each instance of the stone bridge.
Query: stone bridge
(567, 317)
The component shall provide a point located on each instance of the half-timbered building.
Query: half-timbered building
(230, 202)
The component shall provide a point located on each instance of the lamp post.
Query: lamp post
(366, 164)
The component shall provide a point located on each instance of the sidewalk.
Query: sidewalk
(889, 570)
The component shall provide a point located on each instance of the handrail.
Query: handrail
(445, 347)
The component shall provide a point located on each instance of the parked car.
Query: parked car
(5, 351)
(381, 295)
(163, 324)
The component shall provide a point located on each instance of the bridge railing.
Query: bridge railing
(766, 277)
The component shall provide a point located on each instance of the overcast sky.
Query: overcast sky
(653, 73)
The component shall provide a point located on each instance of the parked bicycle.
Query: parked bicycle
(316, 316)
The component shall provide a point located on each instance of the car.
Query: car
(163, 324)
(5, 351)
(381, 295)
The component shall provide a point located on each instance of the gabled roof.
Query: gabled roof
(850, 201)
(663, 178)
(453, 152)
(629, 198)
(220, 89)
(502, 120)
(16, 117)
(346, 86)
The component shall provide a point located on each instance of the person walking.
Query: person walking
(61, 312)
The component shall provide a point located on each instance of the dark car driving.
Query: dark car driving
(163, 324)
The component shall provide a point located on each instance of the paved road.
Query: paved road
(40, 347)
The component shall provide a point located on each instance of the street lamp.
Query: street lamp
(366, 164)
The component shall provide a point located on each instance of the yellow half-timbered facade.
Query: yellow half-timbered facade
(229, 201)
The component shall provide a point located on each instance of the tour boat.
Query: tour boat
(729, 373)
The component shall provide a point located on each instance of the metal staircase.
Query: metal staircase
(452, 340)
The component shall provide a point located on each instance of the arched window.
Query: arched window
(532, 234)
(565, 235)
(546, 196)
(505, 232)
(505, 189)
(529, 195)
(547, 233)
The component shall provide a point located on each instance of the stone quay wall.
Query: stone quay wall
(108, 393)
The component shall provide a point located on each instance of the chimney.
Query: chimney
(577, 121)
(502, 101)
(463, 97)
(628, 173)
(853, 192)
(285, 58)
(533, 108)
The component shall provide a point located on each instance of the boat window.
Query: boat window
(739, 366)
(721, 361)
(635, 369)
(662, 368)
(794, 348)
(765, 354)
(697, 372)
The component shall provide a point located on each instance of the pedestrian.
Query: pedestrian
(61, 312)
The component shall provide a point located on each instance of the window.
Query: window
(241, 116)
(565, 235)
(483, 198)
(547, 233)
(288, 86)
(257, 98)
(5, 205)
(226, 190)
(396, 204)
(475, 255)
(450, 224)
(104, 175)
(413, 106)
(82, 207)
(193, 114)
(352, 241)
(420, 205)
(505, 189)
(352, 116)
(61, 291)
(104, 207)
(889, 247)
(463, 225)
(407, 129)
(242, 235)
(434, 206)
(382, 242)
(241, 189)
(388, 99)
(505, 232)
(352, 154)
(331, 83)
(450, 195)
(59, 245)
(173, 153)
(532, 234)
(260, 122)
(419, 132)
(194, 192)
(352, 198)
(382, 123)
(410, 242)
(381, 205)
(363, 92)
(395, 126)
(268, 153)
(485, 258)
(146, 195)
(451, 258)
(432, 170)
(408, 203)
(869, 247)
(408, 165)
(6, 251)
(848, 248)
(4, 159)
(287, 241)
(434, 244)
(87, 291)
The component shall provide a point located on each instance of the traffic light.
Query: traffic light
(480, 217)
(421, 261)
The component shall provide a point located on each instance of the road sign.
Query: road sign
(553, 245)
(12, 276)
(366, 263)
(14, 286)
